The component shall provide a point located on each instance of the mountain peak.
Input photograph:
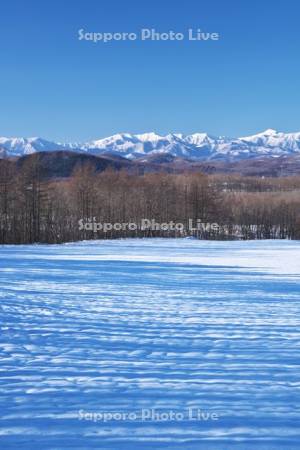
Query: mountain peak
(200, 138)
(269, 132)
(264, 134)
(151, 136)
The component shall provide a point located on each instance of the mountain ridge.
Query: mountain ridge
(196, 146)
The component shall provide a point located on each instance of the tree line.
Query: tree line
(34, 209)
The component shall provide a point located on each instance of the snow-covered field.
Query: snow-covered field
(127, 326)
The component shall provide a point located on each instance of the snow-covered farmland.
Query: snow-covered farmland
(128, 326)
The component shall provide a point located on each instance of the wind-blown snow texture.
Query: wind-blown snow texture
(167, 324)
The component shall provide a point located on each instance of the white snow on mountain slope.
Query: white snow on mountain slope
(277, 141)
(26, 146)
(146, 137)
(198, 146)
(200, 139)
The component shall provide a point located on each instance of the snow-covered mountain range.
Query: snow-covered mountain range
(197, 146)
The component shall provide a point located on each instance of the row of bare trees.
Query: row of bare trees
(37, 210)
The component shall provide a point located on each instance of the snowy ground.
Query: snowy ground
(131, 325)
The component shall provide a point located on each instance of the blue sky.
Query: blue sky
(55, 86)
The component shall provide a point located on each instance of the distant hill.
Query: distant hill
(61, 164)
